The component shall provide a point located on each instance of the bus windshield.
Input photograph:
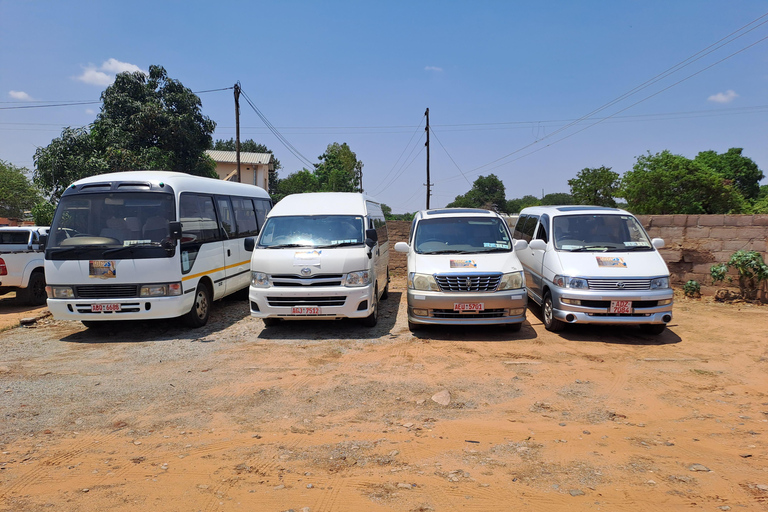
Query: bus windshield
(122, 219)
(312, 231)
(461, 235)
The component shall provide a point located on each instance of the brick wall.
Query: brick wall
(693, 243)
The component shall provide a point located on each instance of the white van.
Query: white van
(150, 244)
(322, 255)
(463, 270)
(588, 264)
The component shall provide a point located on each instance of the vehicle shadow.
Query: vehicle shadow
(615, 334)
(345, 329)
(474, 333)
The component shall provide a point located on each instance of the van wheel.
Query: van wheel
(548, 313)
(270, 322)
(385, 293)
(34, 294)
(370, 320)
(655, 329)
(201, 309)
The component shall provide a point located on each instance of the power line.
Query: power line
(384, 179)
(449, 156)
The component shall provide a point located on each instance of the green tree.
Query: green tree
(515, 205)
(597, 186)
(17, 193)
(557, 198)
(43, 212)
(298, 182)
(486, 192)
(735, 167)
(147, 121)
(665, 183)
(339, 169)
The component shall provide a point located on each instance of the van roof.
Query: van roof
(565, 209)
(321, 203)
(455, 212)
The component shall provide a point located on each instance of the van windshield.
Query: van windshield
(599, 233)
(317, 231)
(123, 219)
(461, 235)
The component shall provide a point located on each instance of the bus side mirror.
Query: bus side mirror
(175, 229)
(370, 234)
(249, 243)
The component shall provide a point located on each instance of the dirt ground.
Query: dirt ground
(331, 416)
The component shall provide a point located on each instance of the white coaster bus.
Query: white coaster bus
(150, 244)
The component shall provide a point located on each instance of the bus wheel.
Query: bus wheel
(201, 309)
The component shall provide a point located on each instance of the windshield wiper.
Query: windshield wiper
(497, 249)
(284, 246)
(59, 250)
(449, 251)
(342, 244)
(590, 248)
(131, 246)
(637, 248)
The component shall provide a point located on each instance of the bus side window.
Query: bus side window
(198, 218)
(226, 218)
(245, 217)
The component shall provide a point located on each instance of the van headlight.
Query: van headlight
(160, 290)
(577, 283)
(60, 292)
(511, 281)
(362, 278)
(425, 282)
(260, 280)
(659, 282)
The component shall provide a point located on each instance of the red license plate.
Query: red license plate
(305, 311)
(621, 306)
(468, 306)
(99, 308)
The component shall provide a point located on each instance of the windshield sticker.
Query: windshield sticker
(102, 269)
(348, 241)
(613, 262)
(636, 244)
(463, 264)
(569, 247)
(127, 243)
(497, 245)
(302, 258)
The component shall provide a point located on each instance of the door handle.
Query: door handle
(229, 253)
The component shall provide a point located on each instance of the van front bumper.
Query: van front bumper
(592, 307)
(439, 308)
(332, 303)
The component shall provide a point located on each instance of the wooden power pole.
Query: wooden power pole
(427, 144)
(237, 129)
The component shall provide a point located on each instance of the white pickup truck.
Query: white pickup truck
(21, 263)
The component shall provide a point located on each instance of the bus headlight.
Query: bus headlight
(511, 281)
(260, 280)
(424, 282)
(577, 283)
(60, 292)
(160, 290)
(362, 278)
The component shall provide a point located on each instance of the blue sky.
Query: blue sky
(504, 81)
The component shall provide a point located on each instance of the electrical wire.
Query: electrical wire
(384, 179)
(449, 155)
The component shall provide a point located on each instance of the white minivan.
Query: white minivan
(463, 270)
(596, 265)
(322, 255)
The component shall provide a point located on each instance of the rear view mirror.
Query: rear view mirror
(175, 230)
(249, 243)
(658, 243)
(371, 233)
(402, 247)
(537, 245)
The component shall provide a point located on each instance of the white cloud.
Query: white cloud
(19, 95)
(90, 111)
(724, 97)
(433, 68)
(105, 74)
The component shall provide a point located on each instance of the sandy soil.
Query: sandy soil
(334, 417)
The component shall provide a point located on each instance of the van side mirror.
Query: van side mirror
(249, 243)
(538, 245)
(402, 247)
(175, 229)
(658, 243)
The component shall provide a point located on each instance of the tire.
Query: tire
(201, 308)
(270, 322)
(385, 293)
(515, 327)
(373, 318)
(654, 329)
(551, 323)
(34, 294)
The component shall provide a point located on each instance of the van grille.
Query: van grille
(619, 284)
(468, 282)
(487, 313)
(316, 280)
(282, 302)
(106, 291)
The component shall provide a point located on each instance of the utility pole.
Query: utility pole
(427, 144)
(237, 129)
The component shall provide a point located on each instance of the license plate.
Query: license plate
(621, 306)
(99, 308)
(468, 306)
(305, 311)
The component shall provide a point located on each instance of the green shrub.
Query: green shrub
(751, 268)
(692, 289)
